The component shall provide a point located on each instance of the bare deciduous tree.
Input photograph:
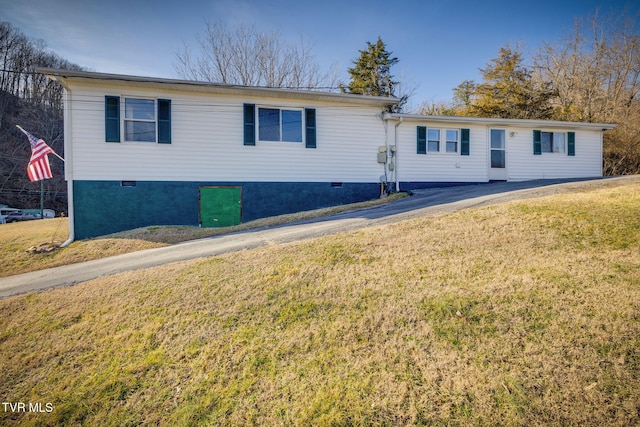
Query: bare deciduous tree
(244, 56)
(35, 102)
(596, 76)
(595, 71)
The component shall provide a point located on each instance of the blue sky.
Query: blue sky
(439, 43)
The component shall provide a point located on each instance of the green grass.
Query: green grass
(525, 313)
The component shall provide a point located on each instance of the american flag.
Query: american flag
(38, 167)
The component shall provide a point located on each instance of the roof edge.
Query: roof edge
(61, 74)
(499, 122)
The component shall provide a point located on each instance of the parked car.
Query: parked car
(20, 216)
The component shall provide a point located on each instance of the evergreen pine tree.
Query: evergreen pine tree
(508, 90)
(371, 73)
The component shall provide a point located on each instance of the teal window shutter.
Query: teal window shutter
(571, 143)
(465, 142)
(249, 124)
(112, 118)
(537, 142)
(164, 121)
(422, 139)
(310, 127)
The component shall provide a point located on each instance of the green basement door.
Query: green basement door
(220, 206)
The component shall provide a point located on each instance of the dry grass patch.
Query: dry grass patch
(519, 314)
(18, 238)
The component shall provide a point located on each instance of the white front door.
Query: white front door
(497, 155)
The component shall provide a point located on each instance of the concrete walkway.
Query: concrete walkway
(424, 202)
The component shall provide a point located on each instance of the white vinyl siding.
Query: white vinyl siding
(207, 141)
(441, 166)
(522, 164)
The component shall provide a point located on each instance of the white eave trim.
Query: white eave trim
(196, 86)
(544, 124)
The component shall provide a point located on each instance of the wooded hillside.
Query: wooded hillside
(592, 75)
(34, 102)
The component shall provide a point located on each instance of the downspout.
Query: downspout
(602, 153)
(68, 154)
(385, 178)
(395, 154)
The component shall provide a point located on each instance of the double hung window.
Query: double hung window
(144, 120)
(436, 140)
(139, 120)
(435, 143)
(269, 124)
(554, 142)
(279, 125)
(452, 141)
(433, 140)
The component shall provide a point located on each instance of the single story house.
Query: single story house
(145, 151)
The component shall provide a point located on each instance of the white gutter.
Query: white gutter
(395, 142)
(386, 116)
(483, 121)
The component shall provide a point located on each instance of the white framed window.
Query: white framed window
(139, 120)
(143, 120)
(280, 125)
(433, 140)
(437, 144)
(428, 140)
(553, 142)
(453, 136)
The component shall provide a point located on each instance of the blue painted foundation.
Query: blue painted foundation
(104, 207)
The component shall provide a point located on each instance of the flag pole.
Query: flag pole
(42, 199)
(41, 180)
(54, 153)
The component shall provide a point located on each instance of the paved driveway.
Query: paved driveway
(424, 202)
